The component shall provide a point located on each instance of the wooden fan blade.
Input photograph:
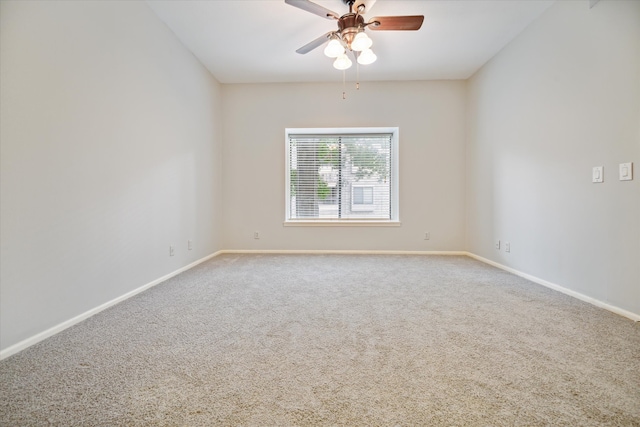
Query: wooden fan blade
(316, 9)
(400, 23)
(314, 44)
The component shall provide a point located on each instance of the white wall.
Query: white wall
(430, 116)
(561, 98)
(110, 152)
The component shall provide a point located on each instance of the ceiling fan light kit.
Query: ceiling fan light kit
(361, 42)
(334, 48)
(351, 31)
(367, 57)
(342, 62)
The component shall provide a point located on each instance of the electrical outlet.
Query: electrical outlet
(256, 235)
(172, 252)
(427, 235)
(507, 247)
(497, 244)
(189, 244)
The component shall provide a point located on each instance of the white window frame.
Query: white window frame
(395, 186)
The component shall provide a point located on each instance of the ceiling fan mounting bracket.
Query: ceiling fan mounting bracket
(350, 4)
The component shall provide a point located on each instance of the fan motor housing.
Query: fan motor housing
(349, 25)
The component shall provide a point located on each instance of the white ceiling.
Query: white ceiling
(254, 41)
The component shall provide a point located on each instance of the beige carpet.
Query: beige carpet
(334, 340)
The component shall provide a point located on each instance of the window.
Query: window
(362, 198)
(362, 195)
(342, 175)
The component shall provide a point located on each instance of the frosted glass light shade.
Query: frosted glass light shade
(334, 49)
(342, 62)
(361, 42)
(367, 57)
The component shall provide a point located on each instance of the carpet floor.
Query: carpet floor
(375, 340)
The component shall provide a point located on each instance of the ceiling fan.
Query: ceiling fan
(350, 34)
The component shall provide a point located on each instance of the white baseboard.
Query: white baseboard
(338, 252)
(555, 287)
(574, 294)
(68, 323)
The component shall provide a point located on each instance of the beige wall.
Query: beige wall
(110, 144)
(115, 143)
(563, 97)
(430, 116)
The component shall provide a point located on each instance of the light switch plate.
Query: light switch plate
(626, 171)
(598, 174)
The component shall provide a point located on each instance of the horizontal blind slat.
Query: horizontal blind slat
(331, 174)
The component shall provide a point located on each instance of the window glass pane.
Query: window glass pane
(358, 197)
(339, 176)
(362, 195)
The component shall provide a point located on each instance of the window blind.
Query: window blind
(340, 177)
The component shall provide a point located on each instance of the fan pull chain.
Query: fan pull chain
(357, 75)
(344, 85)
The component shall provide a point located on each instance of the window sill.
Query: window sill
(355, 223)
